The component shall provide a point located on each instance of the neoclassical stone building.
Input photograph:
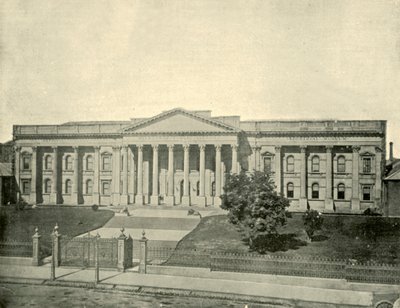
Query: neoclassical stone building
(182, 157)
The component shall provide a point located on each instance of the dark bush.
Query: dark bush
(313, 221)
(95, 207)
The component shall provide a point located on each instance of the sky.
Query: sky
(80, 60)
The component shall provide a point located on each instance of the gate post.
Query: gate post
(56, 246)
(121, 251)
(36, 257)
(143, 254)
(96, 260)
(128, 251)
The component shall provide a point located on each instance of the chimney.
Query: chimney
(391, 152)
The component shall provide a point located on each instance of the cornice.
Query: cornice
(315, 134)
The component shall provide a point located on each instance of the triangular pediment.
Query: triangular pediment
(366, 153)
(179, 121)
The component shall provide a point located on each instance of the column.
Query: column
(34, 175)
(154, 199)
(201, 200)
(17, 165)
(170, 198)
(258, 156)
(133, 176)
(329, 178)
(217, 174)
(124, 196)
(139, 196)
(116, 178)
(96, 174)
(278, 169)
(254, 149)
(186, 196)
(234, 158)
(355, 200)
(54, 181)
(378, 178)
(303, 178)
(75, 194)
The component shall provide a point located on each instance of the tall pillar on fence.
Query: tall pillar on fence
(96, 260)
(154, 199)
(96, 174)
(139, 196)
(186, 193)
(218, 182)
(124, 196)
(36, 256)
(303, 178)
(278, 169)
(54, 181)
(57, 249)
(355, 199)
(33, 175)
(75, 183)
(170, 198)
(329, 177)
(202, 170)
(143, 254)
(121, 251)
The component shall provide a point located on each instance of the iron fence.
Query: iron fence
(16, 249)
(178, 257)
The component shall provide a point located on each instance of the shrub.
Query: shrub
(313, 221)
(95, 207)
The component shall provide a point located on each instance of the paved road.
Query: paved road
(20, 295)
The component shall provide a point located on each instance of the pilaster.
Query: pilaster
(54, 181)
(303, 178)
(355, 200)
(328, 192)
(33, 197)
(278, 169)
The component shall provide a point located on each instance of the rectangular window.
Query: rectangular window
(367, 165)
(105, 185)
(366, 193)
(26, 187)
(267, 164)
(26, 163)
(107, 162)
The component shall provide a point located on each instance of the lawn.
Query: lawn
(72, 221)
(342, 237)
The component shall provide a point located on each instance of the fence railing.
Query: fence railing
(16, 249)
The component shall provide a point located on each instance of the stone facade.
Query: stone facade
(182, 157)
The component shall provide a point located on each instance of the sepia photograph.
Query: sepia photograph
(200, 153)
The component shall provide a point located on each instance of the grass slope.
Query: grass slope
(342, 237)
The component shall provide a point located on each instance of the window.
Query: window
(315, 164)
(26, 187)
(290, 190)
(68, 162)
(366, 164)
(341, 191)
(47, 186)
(89, 187)
(267, 164)
(366, 191)
(197, 188)
(213, 189)
(68, 186)
(315, 191)
(290, 164)
(341, 164)
(105, 187)
(89, 163)
(48, 162)
(26, 162)
(106, 162)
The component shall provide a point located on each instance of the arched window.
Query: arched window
(290, 190)
(48, 162)
(290, 164)
(68, 186)
(26, 162)
(341, 191)
(68, 162)
(89, 162)
(341, 164)
(47, 186)
(213, 189)
(89, 187)
(197, 188)
(106, 162)
(315, 191)
(315, 164)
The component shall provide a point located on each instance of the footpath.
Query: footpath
(279, 291)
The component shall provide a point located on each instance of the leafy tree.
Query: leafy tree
(254, 206)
